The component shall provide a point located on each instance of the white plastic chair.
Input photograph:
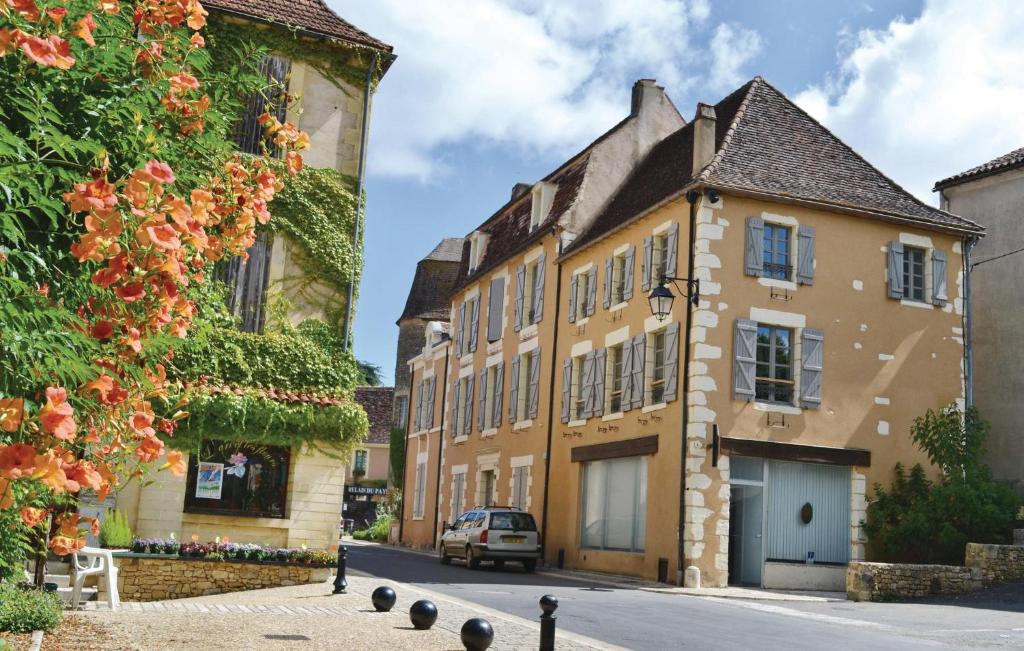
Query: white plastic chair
(101, 562)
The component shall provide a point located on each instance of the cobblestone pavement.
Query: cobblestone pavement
(310, 617)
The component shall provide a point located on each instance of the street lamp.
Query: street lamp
(661, 297)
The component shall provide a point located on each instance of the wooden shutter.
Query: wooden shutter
(627, 375)
(574, 289)
(481, 412)
(538, 291)
(430, 402)
(805, 255)
(812, 357)
(520, 288)
(627, 273)
(609, 270)
(587, 388)
(247, 283)
(460, 333)
(672, 246)
(513, 390)
(939, 292)
(639, 368)
(671, 361)
(419, 406)
(895, 269)
(455, 408)
(249, 133)
(744, 359)
(534, 392)
(467, 403)
(753, 251)
(499, 380)
(496, 300)
(646, 264)
(566, 390)
(600, 359)
(474, 324)
(592, 291)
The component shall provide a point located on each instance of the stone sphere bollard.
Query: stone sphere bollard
(423, 614)
(477, 634)
(383, 599)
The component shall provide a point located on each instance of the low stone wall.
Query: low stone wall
(153, 579)
(985, 565)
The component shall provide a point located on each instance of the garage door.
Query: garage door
(792, 528)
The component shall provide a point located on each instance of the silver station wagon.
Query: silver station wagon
(494, 533)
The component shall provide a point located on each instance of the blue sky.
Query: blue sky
(486, 93)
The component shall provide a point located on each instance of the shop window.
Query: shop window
(615, 504)
(238, 479)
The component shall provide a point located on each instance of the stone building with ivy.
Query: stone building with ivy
(266, 376)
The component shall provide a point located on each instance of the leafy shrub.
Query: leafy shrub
(27, 610)
(920, 521)
(379, 529)
(115, 532)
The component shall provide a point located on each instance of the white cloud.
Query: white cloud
(546, 76)
(732, 48)
(928, 98)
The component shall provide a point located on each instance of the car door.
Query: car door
(466, 530)
(448, 537)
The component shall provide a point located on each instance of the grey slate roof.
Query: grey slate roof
(1004, 163)
(309, 15)
(377, 403)
(432, 285)
(448, 250)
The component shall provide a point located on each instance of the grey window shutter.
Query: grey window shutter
(753, 250)
(574, 290)
(627, 375)
(455, 408)
(671, 361)
(638, 369)
(419, 405)
(600, 359)
(895, 269)
(627, 273)
(566, 390)
(460, 334)
(609, 270)
(592, 291)
(805, 255)
(474, 324)
(467, 421)
(939, 293)
(520, 288)
(672, 245)
(496, 301)
(812, 357)
(513, 390)
(430, 402)
(744, 359)
(587, 388)
(534, 393)
(538, 291)
(499, 380)
(646, 264)
(481, 412)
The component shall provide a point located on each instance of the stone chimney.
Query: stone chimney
(644, 92)
(703, 136)
(519, 189)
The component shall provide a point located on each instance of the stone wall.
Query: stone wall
(985, 565)
(153, 579)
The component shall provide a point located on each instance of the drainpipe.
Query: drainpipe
(551, 393)
(405, 452)
(692, 197)
(361, 175)
(440, 437)
(968, 245)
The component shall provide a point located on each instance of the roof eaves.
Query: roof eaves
(373, 44)
(968, 176)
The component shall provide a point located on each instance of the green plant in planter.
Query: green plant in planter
(215, 556)
(27, 610)
(115, 532)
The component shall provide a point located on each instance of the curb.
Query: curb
(37, 641)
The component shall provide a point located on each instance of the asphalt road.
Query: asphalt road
(640, 619)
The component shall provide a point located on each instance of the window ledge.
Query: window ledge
(528, 332)
(775, 282)
(649, 408)
(433, 430)
(417, 518)
(494, 347)
(466, 359)
(522, 424)
(775, 408)
(912, 303)
(619, 306)
(616, 416)
(576, 423)
(581, 322)
(460, 439)
(489, 432)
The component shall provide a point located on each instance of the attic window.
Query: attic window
(477, 243)
(543, 196)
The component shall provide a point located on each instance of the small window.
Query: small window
(614, 382)
(459, 417)
(458, 487)
(774, 374)
(578, 405)
(359, 465)
(777, 252)
(618, 279)
(582, 295)
(419, 494)
(541, 199)
(520, 486)
(528, 293)
(238, 479)
(656, 344)
(523, 384)
(485, 496)
(913, 273)
(477, 244)
(659, 257)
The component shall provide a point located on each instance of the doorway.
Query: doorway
(746, 521)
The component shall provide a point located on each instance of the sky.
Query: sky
(487, 93)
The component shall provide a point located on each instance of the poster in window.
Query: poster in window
(210, 480)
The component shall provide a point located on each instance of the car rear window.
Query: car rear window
(513, 521)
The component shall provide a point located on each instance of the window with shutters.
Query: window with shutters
(529, 294)
(491, 389)
(774, 371)
(463, 405)
(655, 376)
(615, 504)
(419, 494)
(613, 380)
(495, 306)
(401, 411)
(659, 257)
(913, 273)
(485, 493)
(523, 386)
(576, 397)
(582, 295)
(520, 487)
(458, 492)
(777, 252)
(618, 279)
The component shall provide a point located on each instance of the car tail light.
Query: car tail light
(483, 537)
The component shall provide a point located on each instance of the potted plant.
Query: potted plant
(170, 547)
(139, 546)
(257, 553)
(115, 532)
(283, 554)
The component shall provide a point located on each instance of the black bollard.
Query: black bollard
(548, 606)
(423, 614)
(383, 599)
(340, 583)
(477, 634)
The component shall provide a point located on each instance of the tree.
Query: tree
(396, 454)
(369, 374)
(922, 521)
(119, 188)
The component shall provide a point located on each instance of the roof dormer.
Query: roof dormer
(543, 197)
(477, 247)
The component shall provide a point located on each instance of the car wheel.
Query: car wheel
(499, 565)
(445, 558)
(472, 560)
(530, 565)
